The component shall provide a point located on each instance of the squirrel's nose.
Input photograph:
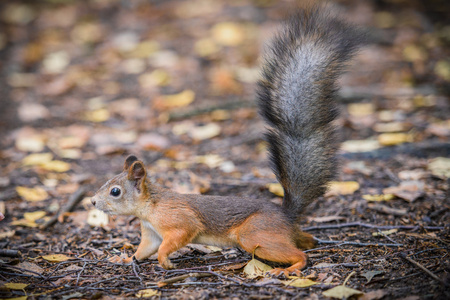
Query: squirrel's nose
(93, 201)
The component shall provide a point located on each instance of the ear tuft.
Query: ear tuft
(137, 171)
(129, 161)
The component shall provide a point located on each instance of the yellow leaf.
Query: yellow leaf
(24, 222)
(69, 142)
(206, 47)
(300, 282)
(391, 139)
(276, 188)
(182, 99)
(56, 166)
(390, 127)
(147, 293)
(15, 286)
(440, 167)
(360, 109)
(56, 257)
(17, 298)
(33, 216)
(384, 232)
(343, 187)
(32, 194)
(341, 292)
(256, 268)
(442, 69)
(98, 116)
(37, 159)
(211, 160)
(356, 146)
(382, 197)
(228, 34)
(205, 132)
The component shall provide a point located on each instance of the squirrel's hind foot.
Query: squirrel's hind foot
(278, 272)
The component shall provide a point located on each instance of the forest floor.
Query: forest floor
(85, 83)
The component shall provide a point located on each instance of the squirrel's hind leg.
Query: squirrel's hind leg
(274, 242)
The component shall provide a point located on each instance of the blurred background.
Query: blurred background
(83, 83)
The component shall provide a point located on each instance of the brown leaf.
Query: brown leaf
(56, 257)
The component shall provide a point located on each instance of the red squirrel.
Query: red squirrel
(296, 98)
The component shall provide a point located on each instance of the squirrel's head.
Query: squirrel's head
(122, 193)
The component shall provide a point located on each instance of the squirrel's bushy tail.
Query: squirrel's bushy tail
(297, 99)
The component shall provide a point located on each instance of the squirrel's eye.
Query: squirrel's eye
(115, 192)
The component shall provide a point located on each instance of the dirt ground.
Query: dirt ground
(85, 83)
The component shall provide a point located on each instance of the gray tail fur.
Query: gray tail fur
(296, 97)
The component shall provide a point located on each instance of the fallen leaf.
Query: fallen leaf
(25, 223)
(211, 160)
(341, 292)
(300, 282)
(15, 286)
(27, 266)
(392, 139)
(56, 257)
(32, 194)
(391, 127)
(407, 190)
(256, 268)
(228, 34)
(440, 167)
(356, 146)
(415, 174)
(153, 141)
(370, 274)
(29, 112)
(97, 116)
(206, 47)
(33, 216)
(56, 62)
(385, 232)
(56, 166)
(205, 132)
(97, 218)
(360, 109)
(37, 159)
(382, 197)
(69, 142)
(342, 188)
(147, 293)
(182, 99)
(275, 188)
(442, 69)
(30, 141)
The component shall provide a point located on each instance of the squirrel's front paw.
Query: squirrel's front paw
(123, 259)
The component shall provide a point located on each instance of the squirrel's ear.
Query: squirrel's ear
(129, 161)
(137, 171)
